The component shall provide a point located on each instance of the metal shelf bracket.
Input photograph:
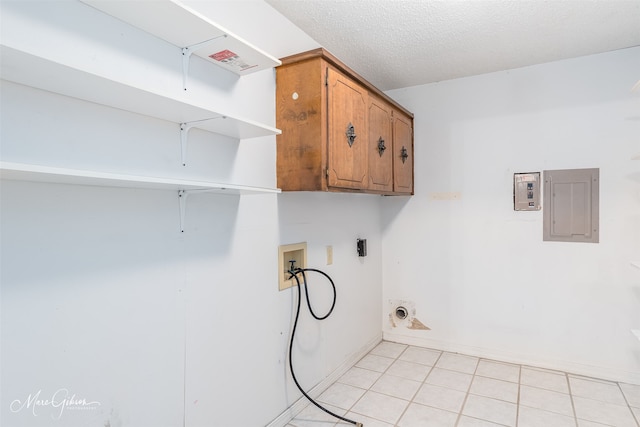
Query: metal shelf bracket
(186, 56)
(182, 200)
(184, 139)
(184, 136)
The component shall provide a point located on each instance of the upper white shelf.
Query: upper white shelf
(35, 71)
(38, 173)
(184, 27)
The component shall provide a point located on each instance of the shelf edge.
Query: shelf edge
(40, 173)
(18, 66)
(196, 29)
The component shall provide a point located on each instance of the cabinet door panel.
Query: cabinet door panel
(380, 147)
(402, 155)
(347, 107)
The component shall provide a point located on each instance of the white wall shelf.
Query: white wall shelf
(24, 68)
(39, 173)
(30, 70)
(176, 24)
(184, 27)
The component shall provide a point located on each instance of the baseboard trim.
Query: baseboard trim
(297, 406)
(618, 375)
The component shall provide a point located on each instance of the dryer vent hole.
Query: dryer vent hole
(402, 313)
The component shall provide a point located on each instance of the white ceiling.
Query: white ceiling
(403, 43)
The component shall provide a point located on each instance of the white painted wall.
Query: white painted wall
(102, 295)
(479, 273)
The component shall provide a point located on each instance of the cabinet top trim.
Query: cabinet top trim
(324, 54)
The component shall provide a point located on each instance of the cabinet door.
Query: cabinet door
(402, 154)
(347, 132)
(380, 146)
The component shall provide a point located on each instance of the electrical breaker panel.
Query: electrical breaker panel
(526, 191)
(571, 205)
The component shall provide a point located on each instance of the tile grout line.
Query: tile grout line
(624, 396)
(374, 383)
(466, 396)
(568, 376)
(385, 371)
(422, 383)
(518, 397)
(475, 375)
(365, 389)
(573, 406)
(395, 359)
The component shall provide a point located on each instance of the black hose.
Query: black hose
(294, 273)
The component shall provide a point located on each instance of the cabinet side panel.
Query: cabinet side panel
(402, 153)
(380, 146)
(300, 157)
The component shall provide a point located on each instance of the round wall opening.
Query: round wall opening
(402, 313)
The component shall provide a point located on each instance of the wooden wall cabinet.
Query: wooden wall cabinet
(339, 133)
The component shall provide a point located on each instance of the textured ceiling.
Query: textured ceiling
(403, 43)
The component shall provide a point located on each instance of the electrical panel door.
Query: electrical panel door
(571, 211)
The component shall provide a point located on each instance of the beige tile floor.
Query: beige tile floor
(405, 386)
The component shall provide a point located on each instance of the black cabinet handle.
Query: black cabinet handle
(381, 146)
(351, 134)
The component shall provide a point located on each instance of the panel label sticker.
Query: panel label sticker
(231, 60)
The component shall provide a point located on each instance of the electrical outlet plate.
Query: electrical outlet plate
(286, 253)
